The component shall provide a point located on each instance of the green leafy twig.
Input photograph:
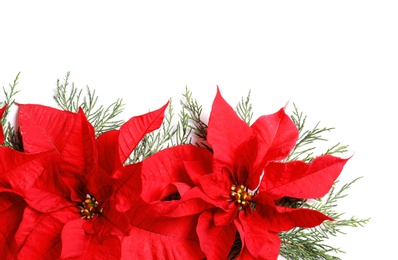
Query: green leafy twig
(11, 136)
(244, 109)
(304, 148)
(70, 98)
(193, 111)
(309, 243)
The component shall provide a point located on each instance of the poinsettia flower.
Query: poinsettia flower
(71, 204)
(248, 177)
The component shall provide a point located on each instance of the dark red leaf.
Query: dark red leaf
(161, 237)
(300, 180)
(215, 241)
(39, 235)
(77, 244)
(277, 135)
(108, 151)
(132, 132)
(226, 131)
(21, 170)
(43, 128)
(11, 210)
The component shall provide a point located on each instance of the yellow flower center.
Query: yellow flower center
(89, 207)
(241, 195)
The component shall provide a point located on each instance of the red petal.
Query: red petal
(80, 156)
(244, 169)
(128, 182)
(218, 188)
(108, 151)
(300, 217)
(257, 241)
(11, 211)
(277, 135)
(1, 127)
(39, 235)
(300, 180)
(77, 244)
(151, 245)
(111, 221)
(43, 127)
(193, 201)
(201, 166)
(168, 166)
(277, 219)
(226, 131)
(161, 237)
(215, 241)
(132, 132)
(100, 185)
(21, 170)
(49, 191)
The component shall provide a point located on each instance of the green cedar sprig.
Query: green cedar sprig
(12, 138)
(305, 148)
(310, 243)
(193, 113)
(70, 98)
(244, 109)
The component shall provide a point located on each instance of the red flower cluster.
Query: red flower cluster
(70, 194)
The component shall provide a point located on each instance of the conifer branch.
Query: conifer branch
(193, 111)
(12, 138)
(70, 98)
(309, 243)
(304, 148)
(244, 109)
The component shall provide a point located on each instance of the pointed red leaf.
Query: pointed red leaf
(215, 241)
(80, 155)
(300, 180)
(167, 166)
(257, 241)
(44, 128)
(161, 237)
(245, 171)
(132, 132)
(45, 228)
(110, 221)
(143, 244)
(11, 211)
(108, 151)
(278, 218)
(277, 135)
(14, 172)
(128, 183)
(226, 131)
(78, 244)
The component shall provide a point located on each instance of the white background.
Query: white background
(337, 60)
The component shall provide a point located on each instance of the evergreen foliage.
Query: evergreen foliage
(298, 243)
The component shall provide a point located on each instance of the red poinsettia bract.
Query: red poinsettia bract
(72, 211)
(247, 179)
(11, 206)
